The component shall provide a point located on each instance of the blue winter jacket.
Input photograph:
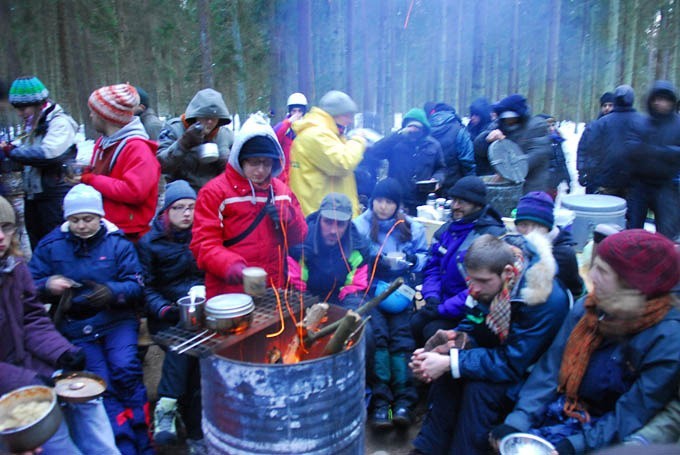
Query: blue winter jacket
(107, 258)
(443, 275)
(169, 267)
(459, 155)
(650, 357)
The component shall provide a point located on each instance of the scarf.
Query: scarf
(498, 319)
(585, 338)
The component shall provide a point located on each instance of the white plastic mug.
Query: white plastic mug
(254, 281)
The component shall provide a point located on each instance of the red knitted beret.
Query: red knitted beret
(645, 261)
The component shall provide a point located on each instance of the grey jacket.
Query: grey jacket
(152, 124)
(177, 163)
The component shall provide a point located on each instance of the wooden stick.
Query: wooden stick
(348, 325)
(313, 316)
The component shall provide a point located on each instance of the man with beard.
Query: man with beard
(443, 274)
(531, 134)
(653, 145)
(514, 309)
(413, 155)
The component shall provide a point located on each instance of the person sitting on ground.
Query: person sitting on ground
(333, 261)
(204, 121)
(297, 108)
(535, 213)
(90, 272)
(32, 349)
(614, 364)
(390, 232)
(514, 310)
(443, 274)
(246, 216)
(413, 155)
(170, 271)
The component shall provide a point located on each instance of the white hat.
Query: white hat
(297, 99)
(83, 199)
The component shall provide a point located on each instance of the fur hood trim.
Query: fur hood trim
(537, 282)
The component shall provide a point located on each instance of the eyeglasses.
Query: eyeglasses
(8, 228)
(183, 208)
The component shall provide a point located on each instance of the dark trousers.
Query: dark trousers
(113, 356)
(662, 199)
(42, 216)
(181, 379)
(426, 321)
(461, 413)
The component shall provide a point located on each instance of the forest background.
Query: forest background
(389, 55)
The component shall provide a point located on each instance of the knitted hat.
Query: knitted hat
(388, 188)
(7, 214)
(417, 115)
(336, 102)
(174, 191)
(259, 147)
(538, 207)
(27, 91)
(514, 103)
(115, 103)
(143, 96)
(607, 97)
(336, 206)
(645, 261)
(83, 199)
(471, 189)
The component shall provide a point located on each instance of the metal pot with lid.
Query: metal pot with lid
(229, 313)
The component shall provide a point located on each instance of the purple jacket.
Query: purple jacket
(30, 344)
(443, 273)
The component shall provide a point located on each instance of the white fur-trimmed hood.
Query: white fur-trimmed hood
(537, 281)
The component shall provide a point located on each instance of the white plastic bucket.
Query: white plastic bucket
(591, 210)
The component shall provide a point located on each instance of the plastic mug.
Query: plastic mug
(254, 281)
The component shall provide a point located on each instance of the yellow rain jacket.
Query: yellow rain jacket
(323, 161)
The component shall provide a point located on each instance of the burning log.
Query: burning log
(313, 317)
(347, 327)
(311, 337)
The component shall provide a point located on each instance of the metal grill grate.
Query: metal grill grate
(265, 315)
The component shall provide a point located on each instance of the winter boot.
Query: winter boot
(379, 417)
(405, 393)
(165, 421)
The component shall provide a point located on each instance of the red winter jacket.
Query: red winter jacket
(225, 207)
(128, 182)
(285, 136)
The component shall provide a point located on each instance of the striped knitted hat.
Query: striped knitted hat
(115, 103)
(27, 91)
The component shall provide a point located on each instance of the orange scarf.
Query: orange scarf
(585, 338)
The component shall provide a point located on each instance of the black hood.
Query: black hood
(624, 95)
(662, 88)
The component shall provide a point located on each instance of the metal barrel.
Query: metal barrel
(312, 407)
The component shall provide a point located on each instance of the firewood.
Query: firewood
(348, 325)
(313, 316)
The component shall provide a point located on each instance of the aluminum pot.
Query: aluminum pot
(29, 437)
(190, 312)
(229, 313)
(207, 153)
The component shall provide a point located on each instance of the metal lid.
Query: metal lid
(80, 386)
(229, 305)
(508, 160)
(596, 203)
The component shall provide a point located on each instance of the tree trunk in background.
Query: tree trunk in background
(513, 80)
(444, 52)
(13, 67)
(368, 67)
(581, 104)
(304, 48)
(238, 59)
(349, 48)
(553, 56)
(207, 78)
(457, 80)
(631, 45)
(478, 52)
(609, 72)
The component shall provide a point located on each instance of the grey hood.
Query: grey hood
(208, 103)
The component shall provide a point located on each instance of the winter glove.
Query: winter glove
(192, 137)
(100, 296)
(412, 258)
(564, 447)
(169, 313)
(235, 273)
(499, 433)
(272, 211)
(383, 266)
(71, 361)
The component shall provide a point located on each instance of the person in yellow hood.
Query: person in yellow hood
(322, 158)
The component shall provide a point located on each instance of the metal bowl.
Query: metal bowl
(525, 444)
(229, 313)
(207, 152)
(79, 386)
(34, 434)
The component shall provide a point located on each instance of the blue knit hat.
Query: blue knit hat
(174, 191)
(538, 207)
(27, 91)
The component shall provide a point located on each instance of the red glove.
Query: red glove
(235, 273)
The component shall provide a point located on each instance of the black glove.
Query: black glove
(71, 361)
(192, 137)
(564, 447)
(383, 267)
(100, 295)
(412, 258)
(170, 314)
(273, 212)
